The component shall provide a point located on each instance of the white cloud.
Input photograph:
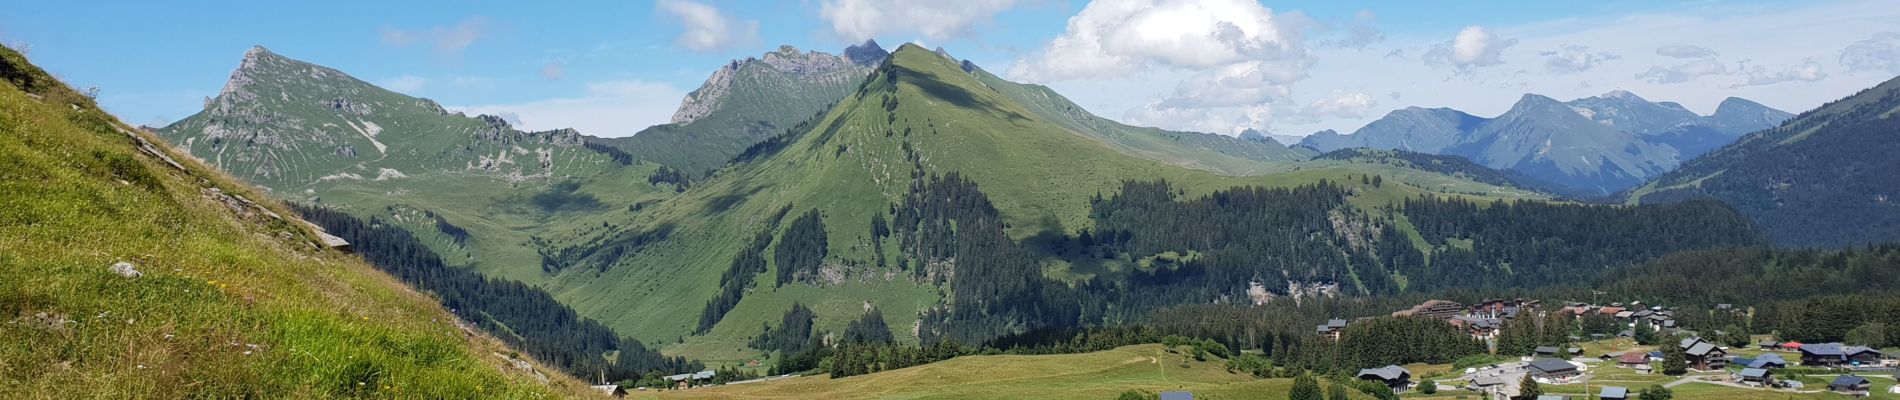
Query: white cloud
(1685, 51)
(1337, 105)
(1232, 56)
(1880, 53)
(1684, 72)
(611, 108)
(554, 70)
(1474, 46)
(858, 20)
(706, 28)
(1808, 71)
(444, 39)
(405, 83)
(1571, 58)
(1362, 32)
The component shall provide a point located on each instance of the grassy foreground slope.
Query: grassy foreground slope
(1097, 375)
(921, 114)
(232, 303)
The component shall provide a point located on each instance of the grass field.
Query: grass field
(1098, 375)
(230, 303)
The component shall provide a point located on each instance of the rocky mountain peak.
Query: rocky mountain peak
(866, 54)
(1620, 94)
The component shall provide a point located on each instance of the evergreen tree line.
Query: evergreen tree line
(1534, 244)
(523, 316)
(739, 276)
(802, 248)
(670, 175)
(604, 253)
(619, 156)
(793, 335)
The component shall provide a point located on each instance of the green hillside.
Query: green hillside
(1097, 375)
(1219, 153)
(919, 115)
(229, 299)
(1824, 178)
(313, 134)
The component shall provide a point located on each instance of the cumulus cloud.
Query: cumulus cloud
(1880, 53)
(1808, 71)
(444, 39)
(1363, 31)
(1572, 58)
(937, 20)
(705, 28)
(1474, 47)
(1685, 51)
(554, 70)
(1339, 104)
(406, 83)
(1683, 72)
(610, 108)
(1233, 56)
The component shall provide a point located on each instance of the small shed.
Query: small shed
(1614, 393)
(1755, 375)
(1546, 350)
(1850, 384)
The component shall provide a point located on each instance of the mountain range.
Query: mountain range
(831, 182)
(1591, 146)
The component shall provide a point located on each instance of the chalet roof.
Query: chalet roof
(1642, 313)
(1336, 323)
(1633, 358)
(1614, 392)
(1487, 381)
(1574, 350)
(1700, 349)
(1552, 365)
(1387, 373)
(1547, 349)
(1612, 310)
(1823, 349)
(1850, 380)
(1754, 373)
(1625, 314)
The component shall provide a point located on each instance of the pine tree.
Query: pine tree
(1675, 360)
(1336, 392)
(1644, 335)
(1305, 388)
(1656, 392)
(1527, 388)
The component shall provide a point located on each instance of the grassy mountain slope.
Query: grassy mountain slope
(231, 301)
(1219, 153)
(1824, 178)
(747, 101)
(314, 134)
(1098, 375)
(921, 114)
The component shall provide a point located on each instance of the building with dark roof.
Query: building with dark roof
(1554, 369)
(1396, 377)
(1753, 375)
(1614, 393)
(1546, 351)
(1850, 384)
(1704, 355)
(1332, 329)
(1835, 354)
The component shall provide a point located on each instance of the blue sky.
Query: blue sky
(611, 68)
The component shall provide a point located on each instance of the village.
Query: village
(1618, 367)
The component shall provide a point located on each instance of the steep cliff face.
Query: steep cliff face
(747, 101)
